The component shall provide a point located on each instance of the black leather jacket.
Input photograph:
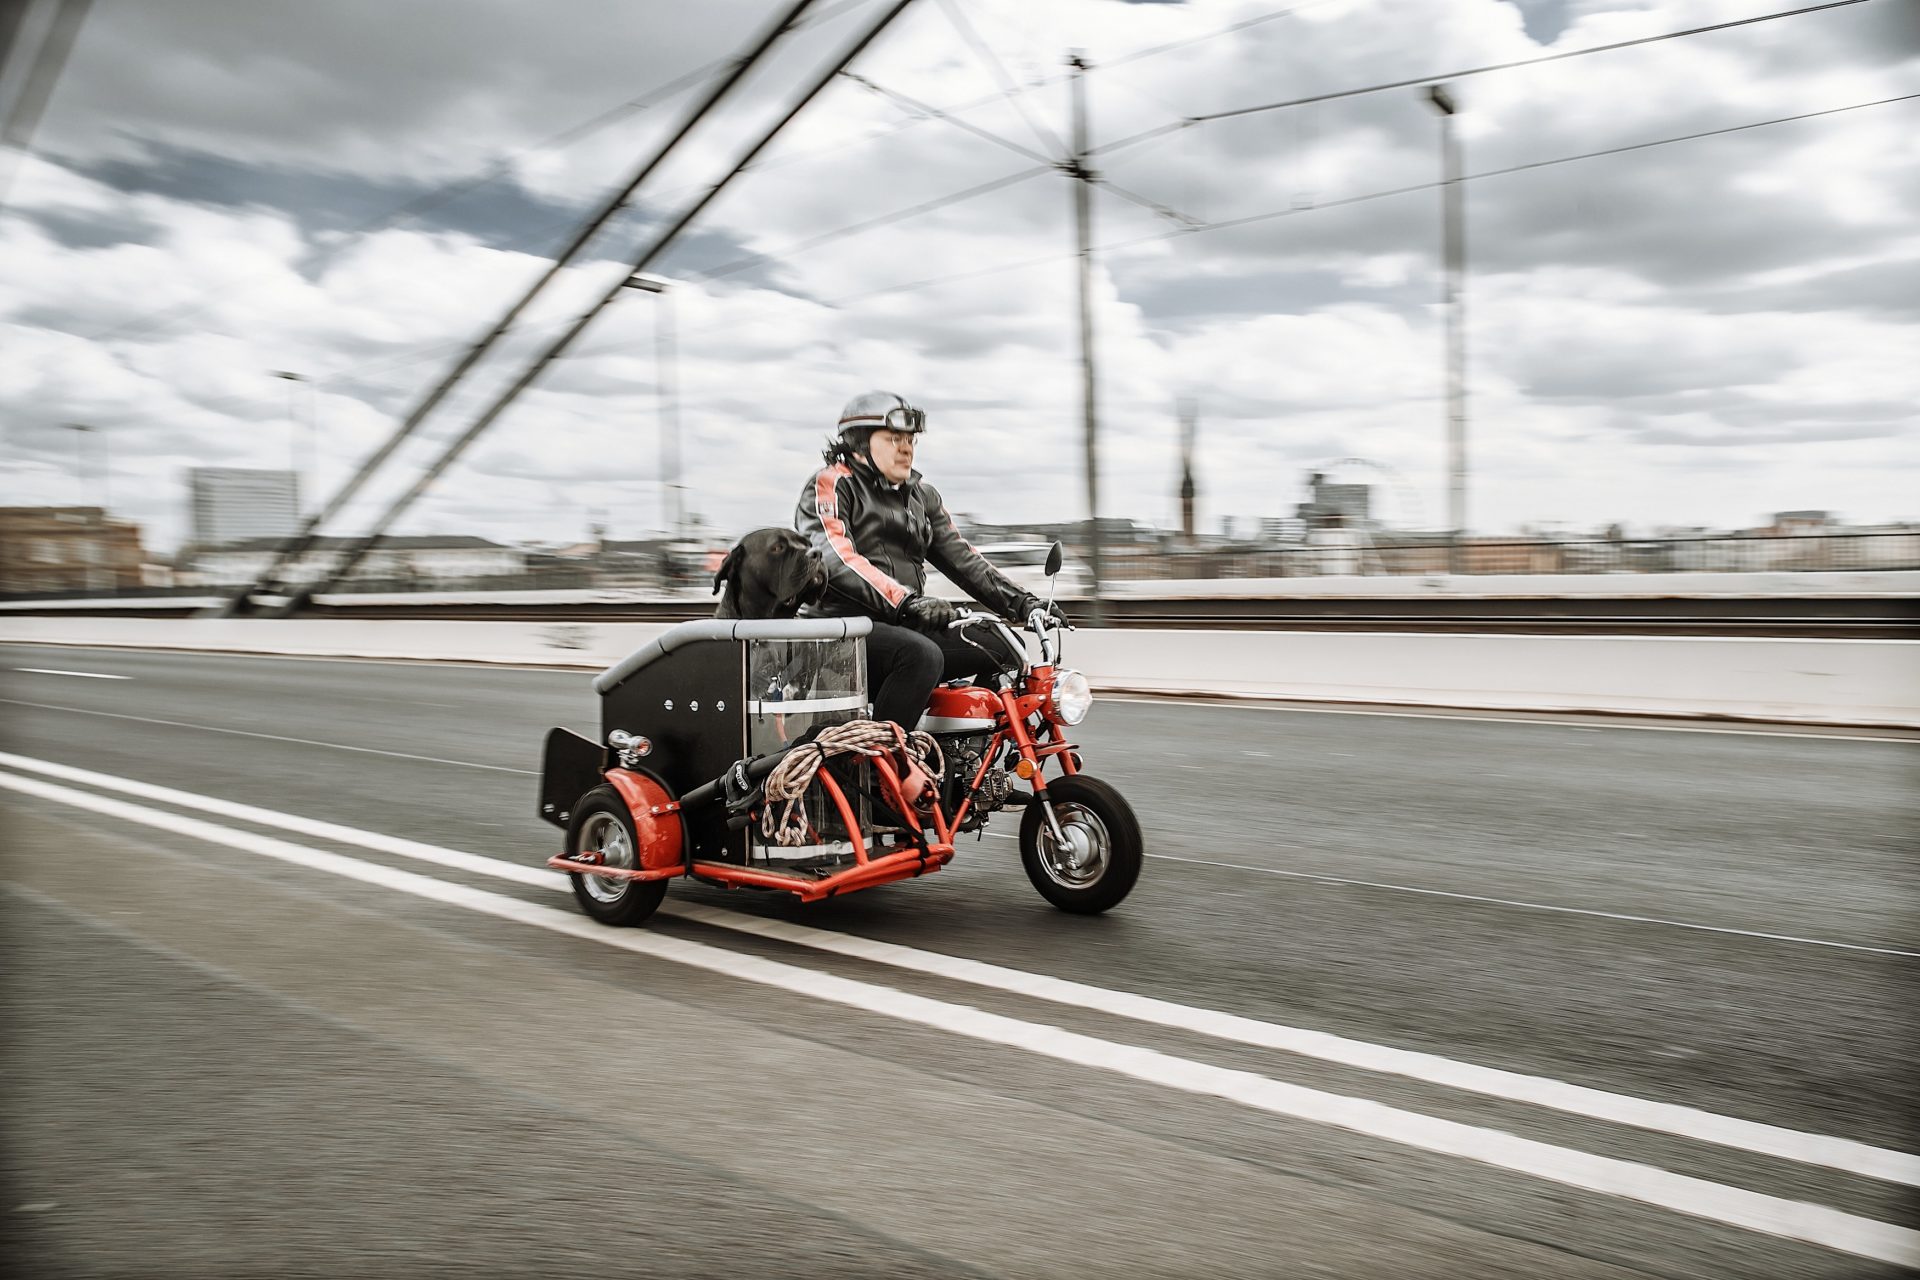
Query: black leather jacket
(876, 538)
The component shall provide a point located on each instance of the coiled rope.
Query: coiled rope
(783, 820)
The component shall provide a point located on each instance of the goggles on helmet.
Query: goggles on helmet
(882, 409)
(906, 418)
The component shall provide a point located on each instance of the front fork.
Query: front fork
(1032, 755)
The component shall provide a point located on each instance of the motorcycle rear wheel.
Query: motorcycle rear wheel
(1098, 865)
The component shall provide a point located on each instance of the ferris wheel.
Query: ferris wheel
(1404, 511)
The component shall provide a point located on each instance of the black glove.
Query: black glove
(1031, 604)
(930, 614)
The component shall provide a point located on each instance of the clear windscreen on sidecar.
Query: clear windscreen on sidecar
(793, 688)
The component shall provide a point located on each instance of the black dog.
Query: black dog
(769, 573)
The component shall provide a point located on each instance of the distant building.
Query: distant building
(234, 504)
(1348, 506)
(67, 549)
(1802, 522)
(411, 560)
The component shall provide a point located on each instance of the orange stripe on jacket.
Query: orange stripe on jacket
(827, 505)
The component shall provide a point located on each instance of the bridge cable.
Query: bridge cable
(1420, 81)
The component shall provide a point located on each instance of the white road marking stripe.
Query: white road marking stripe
(85, 675)
(1602, 720)
(271, 737)
(479, 864)
(1734, 1206)
(1843, 1154)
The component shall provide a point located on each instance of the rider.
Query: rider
(875, 523)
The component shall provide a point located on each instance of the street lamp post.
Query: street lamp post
(81, 431)
(1454, 242)
(295, 461)
(665, 369)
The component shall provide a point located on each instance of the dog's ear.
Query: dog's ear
(728, 567)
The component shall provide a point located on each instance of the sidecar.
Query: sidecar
(691, 723)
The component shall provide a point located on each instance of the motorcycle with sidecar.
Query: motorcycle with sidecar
(738, 753)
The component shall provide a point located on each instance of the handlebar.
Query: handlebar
(1044, 625)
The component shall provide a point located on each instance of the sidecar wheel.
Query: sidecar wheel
(1101, 860)
(601, 824)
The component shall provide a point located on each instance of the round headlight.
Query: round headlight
(1072, 695)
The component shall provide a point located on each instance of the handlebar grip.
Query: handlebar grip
(707, 792)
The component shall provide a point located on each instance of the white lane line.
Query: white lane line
(1842, 1154)
(271, 737)
(479, 864)
(1515, 902)
(1625, 1179)
(55, 671)
(1600, 721)
(1541, 906)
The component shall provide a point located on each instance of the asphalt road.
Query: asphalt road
(1398, 996)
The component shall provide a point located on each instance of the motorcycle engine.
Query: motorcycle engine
(964, 753)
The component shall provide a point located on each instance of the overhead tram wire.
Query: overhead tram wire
(1029, 86)
(872, 224)
(929, 112)
(997, 69)
(994, 65)
(1232, 29)
(1160, 131)
(1364, 198)
(923, 111)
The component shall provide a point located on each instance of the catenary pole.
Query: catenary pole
(304, 536)
(1083, 230)
(666, 374)
(559, 346)
(1454, 249)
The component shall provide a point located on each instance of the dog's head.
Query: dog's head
(769, 573)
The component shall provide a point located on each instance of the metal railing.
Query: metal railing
(1375, 556)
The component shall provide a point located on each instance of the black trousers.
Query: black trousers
(903, 666)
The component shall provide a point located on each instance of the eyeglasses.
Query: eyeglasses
(906, 419)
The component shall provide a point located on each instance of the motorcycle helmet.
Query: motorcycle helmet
(876, 409)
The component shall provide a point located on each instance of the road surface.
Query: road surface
(1398, 996)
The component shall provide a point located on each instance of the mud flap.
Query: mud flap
(570, 767)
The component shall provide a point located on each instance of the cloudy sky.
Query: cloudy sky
(1689, 334)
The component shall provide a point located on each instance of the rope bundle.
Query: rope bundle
(783, 820)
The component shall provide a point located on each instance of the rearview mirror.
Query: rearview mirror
(1053, 559)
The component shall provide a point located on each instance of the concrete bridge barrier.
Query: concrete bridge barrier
(1862, 682)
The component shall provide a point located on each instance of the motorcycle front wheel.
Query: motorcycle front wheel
(1094, 864)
